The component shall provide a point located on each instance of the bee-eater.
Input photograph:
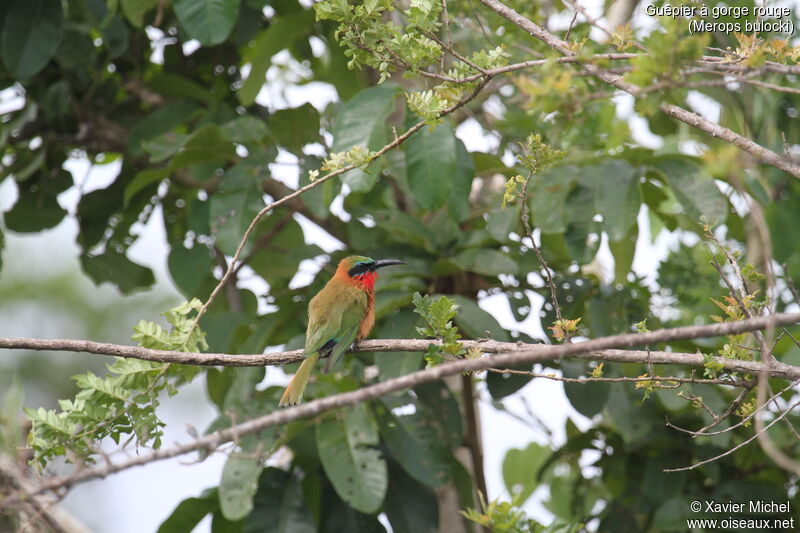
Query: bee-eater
(341, 313)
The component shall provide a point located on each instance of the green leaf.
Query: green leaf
(410, 507)
(501, 221)
(392, 365)
(117, 269)
(234, 206)
(438, 404)
(220, 524)
(318, 199)
(279, 506)
(175, 86)
(582, 238)
(164, 146)
(477, 323)
(116, 37)
(672, 515)
(208, 21)
(135, 10)
(659, 486)
(521, 468)
(25, 164)
(189, 513)
(636, 421)
(624, 250)
(340, 517)
(75, 50)
(242, 402)
(293, 128)
(245, 129)
(218, 383)
(34, 211)
(547, 196)
(238, 486)
(142, 180)
(486, 261)
(431, 165)
(189, 267)
(56, 105)
(502, 385)
(458, 205)
(588, 399)
(160, 122)
(415, 442)
(30, 36)
(487, 165)
(694, 189)
(282, 31)
(347, 451)
(410, 230)
(278, 260)
(205, 145)
(362, 122)
(616, 195)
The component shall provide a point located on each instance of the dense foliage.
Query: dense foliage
(173, 93)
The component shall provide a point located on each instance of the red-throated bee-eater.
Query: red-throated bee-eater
(341, 313)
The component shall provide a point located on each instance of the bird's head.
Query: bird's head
(362, 270)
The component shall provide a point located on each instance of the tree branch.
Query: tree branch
(538, 352)
(522, 355)
(43, 511)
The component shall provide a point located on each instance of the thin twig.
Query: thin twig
(526, 222)
(590, 19)
(741, 444)
(446, 23)
(624, 379)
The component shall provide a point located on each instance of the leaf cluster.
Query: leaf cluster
(438, 313)
(122, 404)
(506, 517)
(373, 40)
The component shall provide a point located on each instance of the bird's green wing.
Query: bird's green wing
(340, 347)
(334, 319)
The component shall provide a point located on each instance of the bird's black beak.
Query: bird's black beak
(387, 262)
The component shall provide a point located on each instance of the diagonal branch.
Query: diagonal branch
(693, 119)
(44, 511)
(521, 356)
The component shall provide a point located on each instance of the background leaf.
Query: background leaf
(238, 486)
(357, 470)
(208, 21)
(279, 33)
(520, 470)
(233, 207)
(362, 122)
(431, 165)
(30, 34)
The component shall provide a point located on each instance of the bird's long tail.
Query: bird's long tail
(294, 390)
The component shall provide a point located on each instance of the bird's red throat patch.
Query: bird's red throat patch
(366, 281)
